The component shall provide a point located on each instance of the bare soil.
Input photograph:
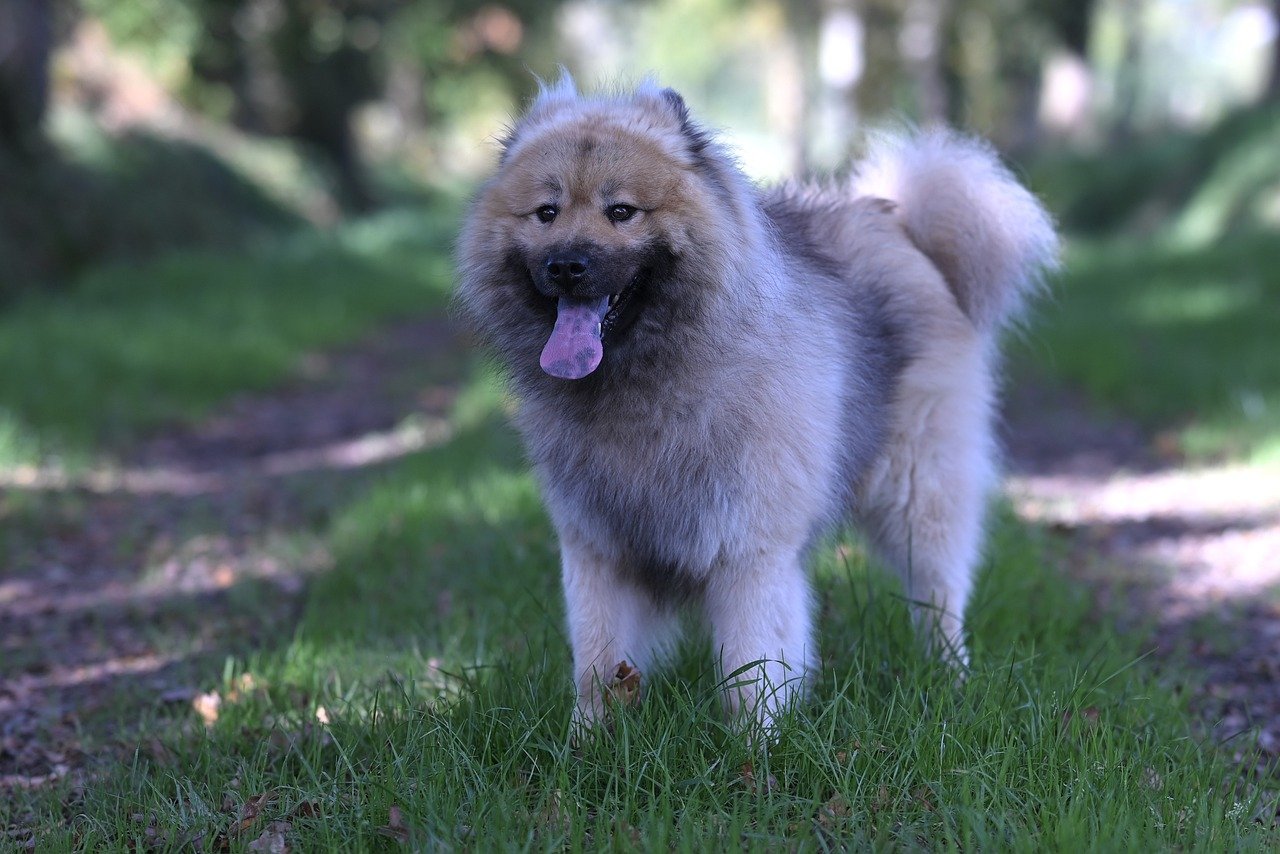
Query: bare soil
(1188, 556)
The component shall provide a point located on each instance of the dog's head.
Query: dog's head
(588, 242)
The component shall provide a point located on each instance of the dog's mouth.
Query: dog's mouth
(583, 325)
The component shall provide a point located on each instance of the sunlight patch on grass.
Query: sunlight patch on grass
(1181, 340)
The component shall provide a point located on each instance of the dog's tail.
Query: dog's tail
(989, 237)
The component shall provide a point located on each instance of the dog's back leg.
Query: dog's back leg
(924, 501)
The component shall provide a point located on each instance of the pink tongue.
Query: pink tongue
(574, 349)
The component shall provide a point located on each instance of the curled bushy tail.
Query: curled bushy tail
(987, 234)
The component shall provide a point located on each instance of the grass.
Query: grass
(130, 347)
(1169, 308)
(424, 698)
(1182, 339)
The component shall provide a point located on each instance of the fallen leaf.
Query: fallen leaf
(624, 687)
(922, 794)
(833, 811)
(554, 814)
(1153, 779)
(272, 839)
(753, 786)
(395, 827)
(306, 809)
(252, 811)
(206, 706)
(1089, 716)
(245, 685)
(881, 801)
(623, 831)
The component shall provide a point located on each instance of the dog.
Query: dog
(711, 376)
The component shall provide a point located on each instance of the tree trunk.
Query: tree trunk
(922, 42)
(1273, 83)
(26, 39)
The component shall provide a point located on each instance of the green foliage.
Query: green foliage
(163, 32)
(132, 347)
(92, 198)
(1190, 188)
(1178, 338)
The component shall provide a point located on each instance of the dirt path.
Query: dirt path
(1190, 555)
(122, 583)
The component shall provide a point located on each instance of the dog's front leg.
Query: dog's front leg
(761, 618)
(611, 620)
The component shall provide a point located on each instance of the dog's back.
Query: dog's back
(944, 234)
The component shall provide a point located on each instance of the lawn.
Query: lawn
(1187, 341)
(422, 697)
(130, 347)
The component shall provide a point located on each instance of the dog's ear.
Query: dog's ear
(561, 92)
(695, 137)
(550, 97)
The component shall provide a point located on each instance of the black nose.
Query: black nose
(565, 270)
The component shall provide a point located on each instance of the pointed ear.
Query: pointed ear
(676, 102)
(561, 91)
(550, 97)
(697, 138)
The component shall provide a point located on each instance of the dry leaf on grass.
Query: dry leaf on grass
(833, 811)
(395, 828)
(923, 794)
(252, 811)
(755, 786)
(207, 706)
(624, 687)
(272, 839)
(1088, 717)
(554, 815)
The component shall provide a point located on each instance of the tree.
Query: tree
(299, 68)
(1273, 83)
(26, 39)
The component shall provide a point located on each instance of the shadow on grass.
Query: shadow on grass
(1183, 340)
(136, 348)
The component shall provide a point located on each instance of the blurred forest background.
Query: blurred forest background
(131, 126)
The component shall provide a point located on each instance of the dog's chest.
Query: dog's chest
(656, 490)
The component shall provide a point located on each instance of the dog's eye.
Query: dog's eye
(546, 213)
(620, 213)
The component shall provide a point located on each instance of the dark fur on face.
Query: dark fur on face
(551, 201)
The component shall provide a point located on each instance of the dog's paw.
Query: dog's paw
(599, 697)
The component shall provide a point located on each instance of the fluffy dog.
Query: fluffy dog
(711, 375)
